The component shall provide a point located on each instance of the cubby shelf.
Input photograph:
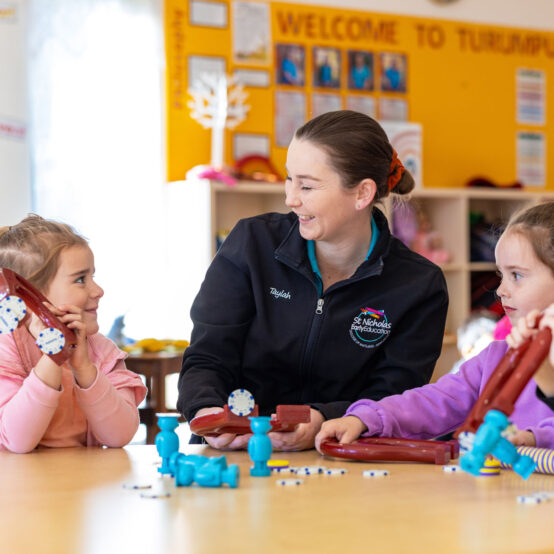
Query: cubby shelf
(448, 211)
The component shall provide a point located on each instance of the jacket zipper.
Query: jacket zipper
(315, 327)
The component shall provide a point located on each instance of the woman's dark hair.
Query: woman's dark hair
(357, 148)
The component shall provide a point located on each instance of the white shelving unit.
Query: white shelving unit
(448, 212)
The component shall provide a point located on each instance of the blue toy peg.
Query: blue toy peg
(489, 440)
(215, 473)
(259, 446)
(204, 471)
(167, 440)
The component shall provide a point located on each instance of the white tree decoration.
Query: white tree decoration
(217, 102)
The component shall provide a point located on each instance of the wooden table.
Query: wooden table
(72, 501)
(155, 366)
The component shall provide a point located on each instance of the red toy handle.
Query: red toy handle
(392, 450)
(13, 284)
(509, 378)
(286, 418)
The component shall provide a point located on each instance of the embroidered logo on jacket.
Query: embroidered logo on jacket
(370, 328)
(279, 293)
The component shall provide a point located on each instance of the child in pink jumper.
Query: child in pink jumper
(92, 398)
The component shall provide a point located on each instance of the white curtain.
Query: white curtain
(96, 90)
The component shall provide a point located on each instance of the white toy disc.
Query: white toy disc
(14, 304)
(289, 482)
(369, 473)
(241, 402)
(8, 321)
(51, 341)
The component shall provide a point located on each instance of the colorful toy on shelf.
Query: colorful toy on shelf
(259, 446)
(204, 471)
(286, 418)
(411, 224)
(488, 418)
(167, 440)
(393, 450)
(17, 296)
(257, 168)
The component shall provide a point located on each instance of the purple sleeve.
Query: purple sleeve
(428, 411)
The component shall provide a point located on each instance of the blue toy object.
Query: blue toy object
(204, 471)
(489, 440)
(259, 446)
(167, 440)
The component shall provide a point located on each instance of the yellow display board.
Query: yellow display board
(479, 92)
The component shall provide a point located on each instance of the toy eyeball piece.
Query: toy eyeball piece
(12, 311)
(241, 402)
(51, 341)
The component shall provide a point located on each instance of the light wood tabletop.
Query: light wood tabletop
(73, 501)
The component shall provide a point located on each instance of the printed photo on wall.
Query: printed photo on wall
(290, 113)
(326, 67)
(393, 72)
(290, 61)
(323, 103)
(360, 70)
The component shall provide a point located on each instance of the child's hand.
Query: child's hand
(83, 369)
(525, 328)
(523, 438)
(345, 430)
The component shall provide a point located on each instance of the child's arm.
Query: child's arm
(110, 403)
(27, 403)
(111, 411)
(525, 327)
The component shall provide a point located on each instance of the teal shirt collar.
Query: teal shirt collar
(313, 260)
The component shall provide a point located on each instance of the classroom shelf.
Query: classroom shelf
(448, 210)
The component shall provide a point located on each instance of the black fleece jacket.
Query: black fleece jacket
(260, 324)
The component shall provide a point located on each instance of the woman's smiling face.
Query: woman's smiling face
(326, 209)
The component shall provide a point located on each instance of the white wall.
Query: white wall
(15, 196)
(15, 191)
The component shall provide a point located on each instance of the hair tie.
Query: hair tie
(396, 171)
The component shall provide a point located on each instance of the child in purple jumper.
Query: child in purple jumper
(525, 261)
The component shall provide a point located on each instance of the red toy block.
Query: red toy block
(286, 418)
(509, 378)
(12, 284)
(392, 450)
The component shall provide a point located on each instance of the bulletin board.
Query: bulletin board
(480, 92)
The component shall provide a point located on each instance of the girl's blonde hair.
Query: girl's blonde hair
(537, 225)
(32, 248)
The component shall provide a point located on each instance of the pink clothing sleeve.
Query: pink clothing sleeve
(111, 402)
(26, 403)
(110, 406)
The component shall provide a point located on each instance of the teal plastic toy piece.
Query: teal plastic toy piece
(167, 440)
(259, 446)
(489, 440)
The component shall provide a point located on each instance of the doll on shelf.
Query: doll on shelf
(428, 242)
(412, 226)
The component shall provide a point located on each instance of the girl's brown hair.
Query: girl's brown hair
(537, 225)
(357, 148)
(32, 248)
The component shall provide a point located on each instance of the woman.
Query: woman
(321, 306)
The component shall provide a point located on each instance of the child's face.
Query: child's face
(74, 284)
(526, 282)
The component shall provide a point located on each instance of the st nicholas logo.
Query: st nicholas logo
(370, 328)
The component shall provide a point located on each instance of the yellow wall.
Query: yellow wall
(461, 85)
